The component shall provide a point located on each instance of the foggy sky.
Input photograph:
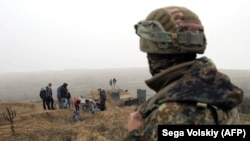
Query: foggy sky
(62, 34)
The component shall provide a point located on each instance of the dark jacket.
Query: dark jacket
(64, 92)
(68, 95)
(43, 94)
(49, 92)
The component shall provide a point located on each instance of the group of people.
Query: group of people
(112, 82)
(92, 106)
(63, 96)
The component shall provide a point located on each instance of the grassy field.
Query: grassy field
(20, 92)
(32, 123)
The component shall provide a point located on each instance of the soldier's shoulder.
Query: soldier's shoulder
(180, 113)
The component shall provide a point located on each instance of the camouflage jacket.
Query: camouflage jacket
(189, 93)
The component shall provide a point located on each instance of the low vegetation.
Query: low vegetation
(34, 123)
(19, 93)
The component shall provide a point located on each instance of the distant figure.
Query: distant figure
(49, 99)
(110, 83)
(68, 98)
(64, 95)
(102, 94)
(59, 96)
(43, 97)
(114, 82)
(87, 107)
(77, 103)
(75, 116)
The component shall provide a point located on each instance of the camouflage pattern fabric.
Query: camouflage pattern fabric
(181, 90)
(176, 20)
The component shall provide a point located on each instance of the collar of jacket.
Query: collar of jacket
(165, 77)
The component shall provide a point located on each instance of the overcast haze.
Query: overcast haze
(40, 35)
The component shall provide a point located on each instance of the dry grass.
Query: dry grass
(32, 123)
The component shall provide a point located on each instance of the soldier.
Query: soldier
(189, 90)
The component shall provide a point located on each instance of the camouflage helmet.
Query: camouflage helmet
(171, 30)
